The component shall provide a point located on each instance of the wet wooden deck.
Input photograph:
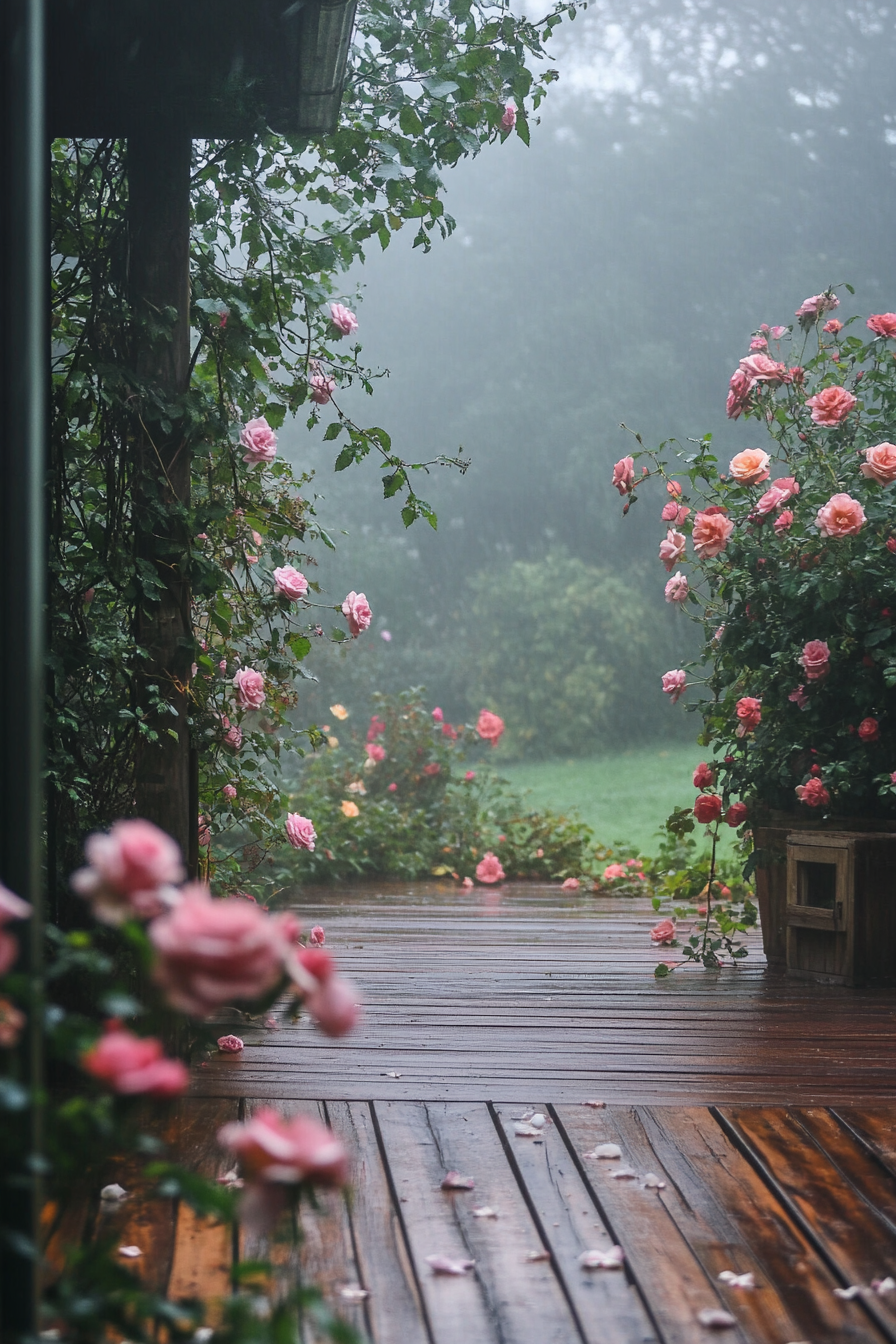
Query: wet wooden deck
(763, 1109)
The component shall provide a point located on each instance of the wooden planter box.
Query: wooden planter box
(827, 898)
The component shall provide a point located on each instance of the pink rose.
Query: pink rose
(673, 488)
(833, 326)
(842, 516)
(815, 659)
(508, 120)
(799, 697)
(203, 832)
(672, 549)
(470, 775)
(812, 308)
(883, 324)
(759, 343)
(249, 688)
(704, 776)
(787, 487)
(749, 467)
(571, 884)
(674, 513)
(739, 389)
(762, 369)
(377, 727)
(489, 727)
(132, 1065)
(333, 1001)
(813, 793)
(437, 715)
(317, 937)
(234, 736)
(300, 832)
(831, 405)
(880, 463)
(869, 730)
(767, 503)
(613, 871)
(131, 872)
(229, 792)
(375, 752)
(230, 1045)
(664, 932)
(356, 611)
(736, 814)
(708, 808)
(343, 319)
(215, 952)
(11, 907)
(624, 475)
(711, 533)
(779, 332)
(783, 521)
(393, 788)
(675, 684)
(489, 868)
(290, 583)
(259, 441)
(749, 713)
(432, 769)
(12, 1024)
(677, 588)
(321, 388)
(271, 1148)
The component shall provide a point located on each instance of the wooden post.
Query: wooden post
(159, 260)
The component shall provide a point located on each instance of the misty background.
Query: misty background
(699, 169)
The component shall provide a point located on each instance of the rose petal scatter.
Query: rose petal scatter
(259, 441)
(249, 686)
(131, 872)
(289, 583)
(611, 1259)
(444, 1264)
(230, 1045)
(831, 405)
(300, 832)
(488, 869)
(489, 726)
(356, 611)
(134, 1065)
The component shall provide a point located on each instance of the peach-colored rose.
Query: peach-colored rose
(489, 868)
(883, 324)
(842, 516)
(356, 610)
(663, 932)
(762, 369)
(133, 1065)
(290, 583)
(880, 463)
(833, 326)
(624, 474)
(259, 440)
(831, 405)
(249, 686)
(300, 832)
(677, 588)
(815, 659)
(675, 684)
(813, 793)
(672, 549)
(739, 389)
(489, 726)
(349, 809)
(711, 533)
(749, 467)
(708, 808)
(131, 872)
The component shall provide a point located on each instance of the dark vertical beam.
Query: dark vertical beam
(159, 251)
(24, 362)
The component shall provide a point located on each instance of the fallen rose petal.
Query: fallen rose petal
(113, 1193)
(624, 1174)
(353, 1292)
(203, 1334)
(130, 1251)
(883, 1286)
(231, 1179)
(230, 1045)
(611, 1259)
(486, 1211)
(607, 1150)
(538, 1120)
(391, 1075)
(847, 1294)
(454, 1181)
(523, 1129)
(534, 1257)
(653, 1182)
(715, 1319)
(737, 1280)
(441, 1264)
(598, 1105)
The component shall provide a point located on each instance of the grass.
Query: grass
(624, 796)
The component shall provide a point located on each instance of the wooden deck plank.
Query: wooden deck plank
(202, 1255)
(875, 1127)
(607, 1304)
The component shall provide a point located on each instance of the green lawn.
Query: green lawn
(623, 796)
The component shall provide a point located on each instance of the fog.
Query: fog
(698, 170)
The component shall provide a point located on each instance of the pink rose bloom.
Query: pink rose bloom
(759, 343)
(736, 814)
(317, 936)
(300, 832)
(131, 872)
(762, 369)
(290, 583)
(783, 521)
(230, 1045)
(842, 516)
(624, 475)
(778, 332)
(489, 868)
(437, 715)
(674, 513)
(869, 730)
(375, 752)
(432, 769)
(343, 319)
(11, 907)
(489, 726)
(229, 792)
(673, 488)
(467, 883)
(739, 389)
(833, 326)
(815, 659)
(132, 1065)
(356, 611)
(393, 788)
(880, 463)
(799, 697)
(333, 1001)
(749, 467)
(377, 727)
(470, 775)
(675, 684)
(613, 871)
(259, 441)
(449, 731)
(249, 688)
(708, 808)
(749, 713)
(271, 1148)
(321, 388)
(711, 533)
(672, 549)
(508, 120)
(203, 832)
(767, 503)
(787, 487)
(891, 545)
(571, 884)
(211, 953)
(704, 776)
(234, 736)
(677, 588)
(831, 405)
(664, 932)
(813, 793)
(812, 308)
(883, 324)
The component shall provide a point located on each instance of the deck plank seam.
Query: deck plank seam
(859, 1139)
